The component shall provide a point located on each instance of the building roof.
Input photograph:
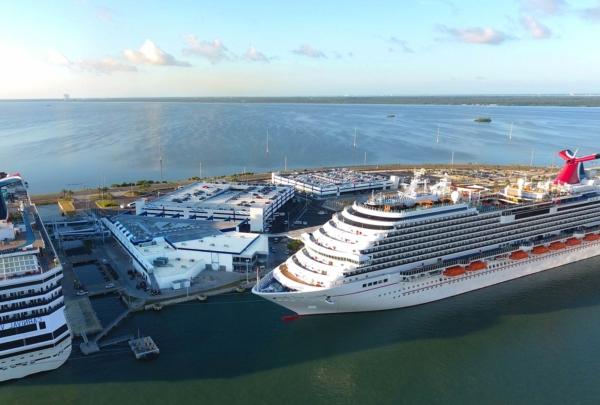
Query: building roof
(334, 177)
(230, 242)
(143, 228)
(222, 196)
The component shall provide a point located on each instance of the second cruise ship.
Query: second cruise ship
(428, 243)
(34, 335)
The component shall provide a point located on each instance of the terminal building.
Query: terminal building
(333, 182)
(254, 205)
(171, 253)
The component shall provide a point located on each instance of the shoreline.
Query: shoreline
(523, 100)
(52, 198)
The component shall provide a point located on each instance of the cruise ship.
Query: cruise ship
(34, 335)
(425, 243)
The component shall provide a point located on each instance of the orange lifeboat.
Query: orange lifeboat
(518, 255)
(539, 250)
(476, 265)
(557, 245)
(573, 242)
(591, 237)
(454, 271)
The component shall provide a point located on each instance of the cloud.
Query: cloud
(98, 66)
(150, 54)
(253, 55)
(591, 13)
(399, 44)
(215, 51)
(475, 35)
(309, 51)
(104, 14)
(548, 7)
(536, 29)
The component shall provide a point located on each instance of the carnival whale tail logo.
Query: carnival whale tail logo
(572, 172)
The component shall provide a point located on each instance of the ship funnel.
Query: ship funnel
(572, 172)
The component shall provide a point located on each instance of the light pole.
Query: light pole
(247, 262)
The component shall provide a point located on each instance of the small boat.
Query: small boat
(573, 242)
(539, 250)
(454, 271)
(518, 255)
(391, 115)
(591, 237)
(483, 119)
(476, 266)
(557, 245)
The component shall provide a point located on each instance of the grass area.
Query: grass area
(66, 205)
(106, 203)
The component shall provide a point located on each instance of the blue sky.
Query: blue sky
(278, 48)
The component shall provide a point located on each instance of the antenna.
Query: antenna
(510, 132)
(437, 139)
(365, 158)
(532, 155)
(160, 157)
(285, 163)
(452, 160)
(354, 144)
(267, 141)
(200, 170)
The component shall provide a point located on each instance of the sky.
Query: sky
(88, 48)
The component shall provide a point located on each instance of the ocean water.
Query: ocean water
(71, 145)
(529, 341)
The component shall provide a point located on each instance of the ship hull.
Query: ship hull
(20, 366)
(395, 293)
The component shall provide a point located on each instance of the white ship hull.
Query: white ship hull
(352, 297)
(35, 362)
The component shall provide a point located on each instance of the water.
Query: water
(59, 145)
(533, 340)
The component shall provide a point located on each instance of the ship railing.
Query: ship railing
(36, 313)
(38, 302)
(21, 274)
(41, 291)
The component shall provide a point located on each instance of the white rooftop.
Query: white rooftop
(334, 177)
(217, 195)
(230, 242)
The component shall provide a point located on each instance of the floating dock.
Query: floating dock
(144, 348)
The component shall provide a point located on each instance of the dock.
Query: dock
(144, 348)
(94, 345)
(81, 317)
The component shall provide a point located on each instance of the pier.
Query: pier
(93, 346)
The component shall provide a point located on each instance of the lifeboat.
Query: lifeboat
(573, 242)
(454, 271)
(476, 265)
(557, 245)
(591, 237)
(518, 255)
(539, 250)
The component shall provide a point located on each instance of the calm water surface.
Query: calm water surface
(533, 340)
(60, 145)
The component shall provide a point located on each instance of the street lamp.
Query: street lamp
(247, 262)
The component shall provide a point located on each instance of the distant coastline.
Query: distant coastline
(592, 100)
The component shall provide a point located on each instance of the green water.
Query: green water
(533, 340)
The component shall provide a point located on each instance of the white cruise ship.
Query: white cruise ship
(428, 243)
(34, 335)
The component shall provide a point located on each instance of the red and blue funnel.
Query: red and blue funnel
(572, 172)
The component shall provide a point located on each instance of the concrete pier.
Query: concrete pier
(81, 316)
